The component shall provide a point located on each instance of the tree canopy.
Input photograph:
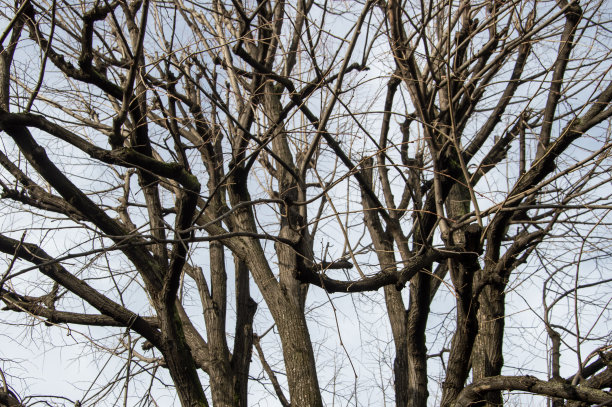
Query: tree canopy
(258, 201)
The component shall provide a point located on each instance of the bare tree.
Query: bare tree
(453, 155)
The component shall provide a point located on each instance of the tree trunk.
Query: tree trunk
(179, 360)
(397, 318)
(221, 378)
(418, 312)
(285, 308)
(487, 359)
(462, 272)
(243, 340)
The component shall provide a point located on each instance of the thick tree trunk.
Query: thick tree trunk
(400, 374)
(221, 378)
(284, 304)
(418, 312)
(243, 340)
(178, 358)
(462, 272)
(397, 317)
(288, 306)
(487, 359)
(299, 357)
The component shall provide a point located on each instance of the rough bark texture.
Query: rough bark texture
(463, 275)
(425, 150)
(487, 356)
(472, 394)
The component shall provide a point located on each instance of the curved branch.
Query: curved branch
(473, 393)
(38, 158)
(34, 254)
(17, 304)
(399, 278)
(125, 157)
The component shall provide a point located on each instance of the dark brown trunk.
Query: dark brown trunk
(555, 339)
(418, 312)
(243, 340)
(462, 272)
(397, 317)
(179, 360)
(288, 306)
(221, 378)
(299, 358)
(284, 305)
(487, 359)
(465, 333)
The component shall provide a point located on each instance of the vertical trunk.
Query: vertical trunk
(178, 358)
(418, 312)
(6, 59)
(555, 362)
(397, 317)
(223, 371)
(228, 376)
(221, 378)
(487, 359)
(287, 311)
(298, 356)
(285, 308)
(461, 349)
(465, 332)
(403, 375)
(290, 318)
(243, 339)
(288, 306)
(462, 272)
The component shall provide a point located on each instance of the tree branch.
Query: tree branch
(473, 393)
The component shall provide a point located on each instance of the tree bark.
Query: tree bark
(178, 358)
(472, 394)
(487, 356)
